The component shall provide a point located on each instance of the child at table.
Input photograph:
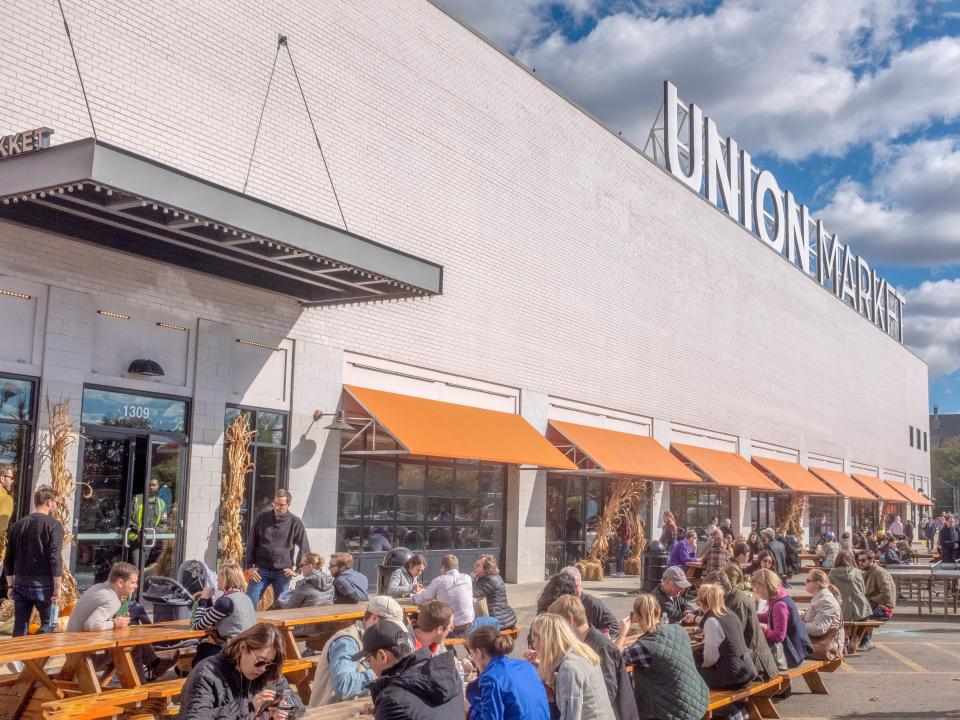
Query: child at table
(227, 616)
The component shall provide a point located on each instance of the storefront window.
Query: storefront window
(864, 514)
(824, 516)
(17, 410)
(428, 505)
(693, 506)
(891, 510)
(269, 452)
(767, 509)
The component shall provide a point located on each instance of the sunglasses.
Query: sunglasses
(258, 663)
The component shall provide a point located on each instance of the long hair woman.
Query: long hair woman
(727, 662)
(784, 624)
(570, 669)
(241, 680)
(666, 683)
(670, 533)
(506, 689)
(488, 584)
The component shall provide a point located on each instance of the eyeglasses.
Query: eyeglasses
(258, 663)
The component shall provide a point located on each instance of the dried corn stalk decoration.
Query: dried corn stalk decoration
(623, 504)
(792, 522)
(239, 435)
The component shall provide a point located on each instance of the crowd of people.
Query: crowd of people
(581, 663)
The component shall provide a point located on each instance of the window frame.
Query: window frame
(23, 491)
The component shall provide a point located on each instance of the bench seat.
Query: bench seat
(757, 697)
(91, 707)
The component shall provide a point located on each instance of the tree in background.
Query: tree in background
(945, 474)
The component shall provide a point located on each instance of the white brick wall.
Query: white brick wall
(573, 266)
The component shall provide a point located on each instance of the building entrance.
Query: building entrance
(131, 486)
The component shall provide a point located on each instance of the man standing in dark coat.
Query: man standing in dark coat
(949, 541)
(777, 549)
(270, 551)
(410, 685)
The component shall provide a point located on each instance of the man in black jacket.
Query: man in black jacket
(33, 563)
(777, 549)
(410, 685)
(598, 614)
(671, 595)
(270, 553)
(619, 686)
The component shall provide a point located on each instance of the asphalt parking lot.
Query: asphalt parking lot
(913, 673)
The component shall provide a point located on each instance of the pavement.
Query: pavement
(913, 674)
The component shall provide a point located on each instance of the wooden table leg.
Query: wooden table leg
(15, 697)
(86, 674)
(815, 683)
(765, 707)
(126, 668)
(291, 649)
(35, 668)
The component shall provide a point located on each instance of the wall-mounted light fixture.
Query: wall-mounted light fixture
(171, 326)
(111, 314)
(339, 422)
(13, 294)
(143, 366)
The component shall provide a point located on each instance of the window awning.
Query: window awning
(909, 493)
(90, 191)
(842, 483)
(794, 476)
(448, 430)
(725, 468)
(879, 488)
(617, 452)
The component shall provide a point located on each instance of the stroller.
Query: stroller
(173, 600)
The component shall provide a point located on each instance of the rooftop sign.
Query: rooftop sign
(726, 177)
(24, 142)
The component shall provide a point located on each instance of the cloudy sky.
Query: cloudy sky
(853, 104)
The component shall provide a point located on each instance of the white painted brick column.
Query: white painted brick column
(660, 500)
(314, 452)
(212, 387)
(526, 505)
(740, 497)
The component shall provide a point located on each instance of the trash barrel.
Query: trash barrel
(394, 559)
(653, 561)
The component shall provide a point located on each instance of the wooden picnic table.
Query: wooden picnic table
(339, 711)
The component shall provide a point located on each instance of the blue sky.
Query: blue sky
(853, 104)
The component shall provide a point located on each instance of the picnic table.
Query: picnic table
(339, 711)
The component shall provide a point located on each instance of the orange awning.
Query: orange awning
(909, 493)
(725, 468)
(878, 487)
(442, 429)
(794, 476)
(842, 483)
(625, 453)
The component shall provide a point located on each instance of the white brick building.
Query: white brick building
(580, 281)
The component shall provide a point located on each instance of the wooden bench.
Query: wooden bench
(757, 696)
(856, 632)
(810, 671)
(93, 706)
(513, 632)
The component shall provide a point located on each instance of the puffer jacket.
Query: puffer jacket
(853, 600)
(215, 690)
(314, 589)
(823, 614)
(492, 588)
(671, 688)
(879, 587)
(422, 686)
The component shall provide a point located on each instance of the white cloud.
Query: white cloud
(791, 79)
(910, 213)
(933, 327)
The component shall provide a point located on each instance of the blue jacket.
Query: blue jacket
(508, 690)
(349, 587)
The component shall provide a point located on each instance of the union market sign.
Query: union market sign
(726, 177)
(25, 142)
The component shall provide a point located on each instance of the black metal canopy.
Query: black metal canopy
(90, 191)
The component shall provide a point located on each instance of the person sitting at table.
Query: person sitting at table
(405, 581)
(777, 549)
(675, 606)
(410, 684)
(763, 560)
(505, 689)
(434, 625)
(488, 585)
(349, 586)
(684, 551)
(827, 550)
(665, 679)
(848, 579)
(241, 681)
(231, 613)
(823, 618)
(339, 677)
(734, 568)
(878, 586)
(315, 588)
(846, 543)
(745, 608)
(615, 676)
(598, 614)
(106, 606)
(455, 589)
(727, 663)
(571, 669)
(715, 556)
(782, 617)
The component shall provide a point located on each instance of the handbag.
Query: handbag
(779, 655)
(480, 607)
(826, 646)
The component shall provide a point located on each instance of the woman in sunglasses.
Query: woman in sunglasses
(243, 681)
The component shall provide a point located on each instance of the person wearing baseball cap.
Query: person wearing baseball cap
(410, 685)
(671, 595)
(338, 677)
